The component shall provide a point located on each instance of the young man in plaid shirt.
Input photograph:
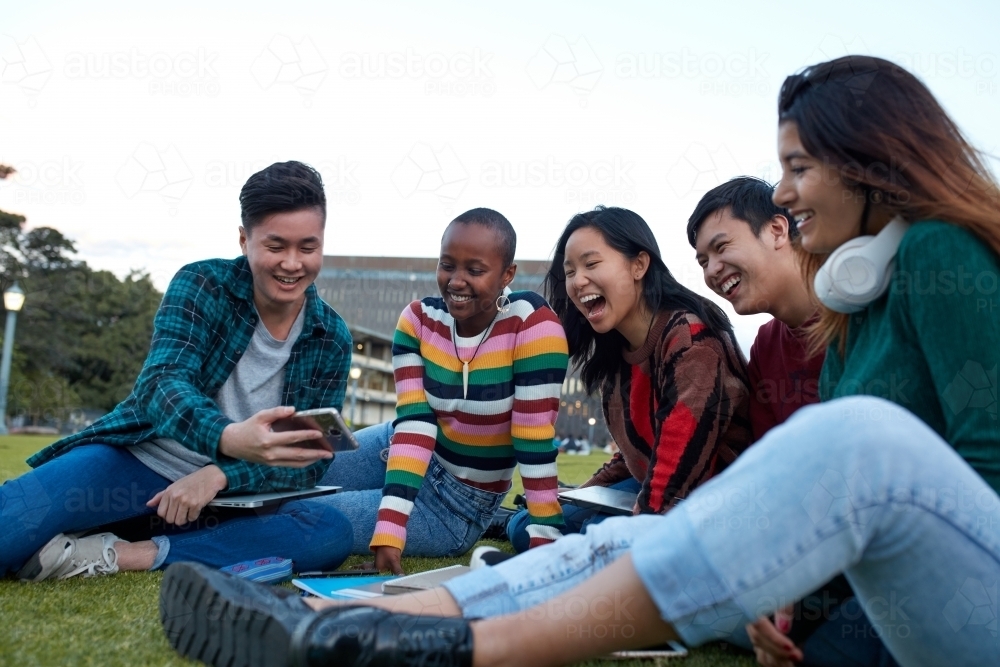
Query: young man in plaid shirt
(237, 345)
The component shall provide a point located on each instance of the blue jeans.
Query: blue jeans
(448, 516)
(576, 518)
(857, 485)
(94, 485)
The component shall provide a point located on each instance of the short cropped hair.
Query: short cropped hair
(281, 188)
(491, 219)
(749, 199)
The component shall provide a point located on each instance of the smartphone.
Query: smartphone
(336, 436)
(667, 650)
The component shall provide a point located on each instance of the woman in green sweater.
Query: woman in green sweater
(892, 480)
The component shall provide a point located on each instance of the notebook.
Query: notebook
(608, 501)
(251, 500)
(343, 588)
(423, 581)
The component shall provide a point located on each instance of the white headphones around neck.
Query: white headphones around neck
(859, 271)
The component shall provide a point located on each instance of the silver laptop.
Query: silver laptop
(252, 500)
(609, 501)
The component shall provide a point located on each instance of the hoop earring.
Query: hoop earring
(503, 303)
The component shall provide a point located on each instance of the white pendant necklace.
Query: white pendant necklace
(465, 364)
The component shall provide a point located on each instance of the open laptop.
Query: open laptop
(608, 501)
(252, 500)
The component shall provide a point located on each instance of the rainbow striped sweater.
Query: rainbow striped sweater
(508, 417)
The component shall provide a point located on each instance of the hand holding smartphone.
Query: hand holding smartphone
(337, 437)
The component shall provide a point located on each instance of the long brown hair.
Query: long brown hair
(893, 143)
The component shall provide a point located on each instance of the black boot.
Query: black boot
(220, 619)
(370, 637)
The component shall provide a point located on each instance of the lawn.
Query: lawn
(114, 620)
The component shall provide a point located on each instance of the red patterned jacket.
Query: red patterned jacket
(678, 408)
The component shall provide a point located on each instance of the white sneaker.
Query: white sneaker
(487, 557)
(65, 556)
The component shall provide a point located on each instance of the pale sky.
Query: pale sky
(134, 127)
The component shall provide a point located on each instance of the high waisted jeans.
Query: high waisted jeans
(94, 485)
(448, 516)
(857, 485)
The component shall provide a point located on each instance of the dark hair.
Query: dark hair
(282, 187)
(749, 199)
(490, 219)
(599, 356)
(892, 142)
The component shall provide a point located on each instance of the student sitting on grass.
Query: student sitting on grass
(672, 379)
(478, 373)
(744, 244)
(900, 495)
(237, 345)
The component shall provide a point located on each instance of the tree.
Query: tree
(83, 334)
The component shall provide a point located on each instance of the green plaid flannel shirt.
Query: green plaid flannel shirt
(203, 325)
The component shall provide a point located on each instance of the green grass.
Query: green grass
(114, 620)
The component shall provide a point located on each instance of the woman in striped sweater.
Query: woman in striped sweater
(478, 372)
(673, 381)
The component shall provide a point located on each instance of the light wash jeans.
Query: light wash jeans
(94, 485)
(857, 485)
(448, 516)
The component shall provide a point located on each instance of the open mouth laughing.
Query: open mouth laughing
(594, 305)
(729, 285)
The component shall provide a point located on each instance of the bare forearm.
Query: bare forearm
(609, 612)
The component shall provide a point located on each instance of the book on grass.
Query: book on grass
(423, 581)
(343, 588)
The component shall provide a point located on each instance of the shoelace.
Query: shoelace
(109, 558)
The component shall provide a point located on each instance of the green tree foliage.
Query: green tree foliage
(82, 335)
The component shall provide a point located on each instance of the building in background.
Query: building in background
(371, 292)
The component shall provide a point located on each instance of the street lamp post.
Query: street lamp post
(13, 300)
(590, 437)
(355, 374)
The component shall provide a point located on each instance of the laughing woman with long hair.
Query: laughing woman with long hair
(672, 380)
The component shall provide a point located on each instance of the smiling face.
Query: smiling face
(827, 212)
(471, 275)
(603, 284)
(738, 265)
(285, 252)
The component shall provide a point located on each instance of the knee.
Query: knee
(845, 425)
(330, 533)
(377, 436)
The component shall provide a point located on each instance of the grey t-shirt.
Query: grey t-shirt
(254, 385)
